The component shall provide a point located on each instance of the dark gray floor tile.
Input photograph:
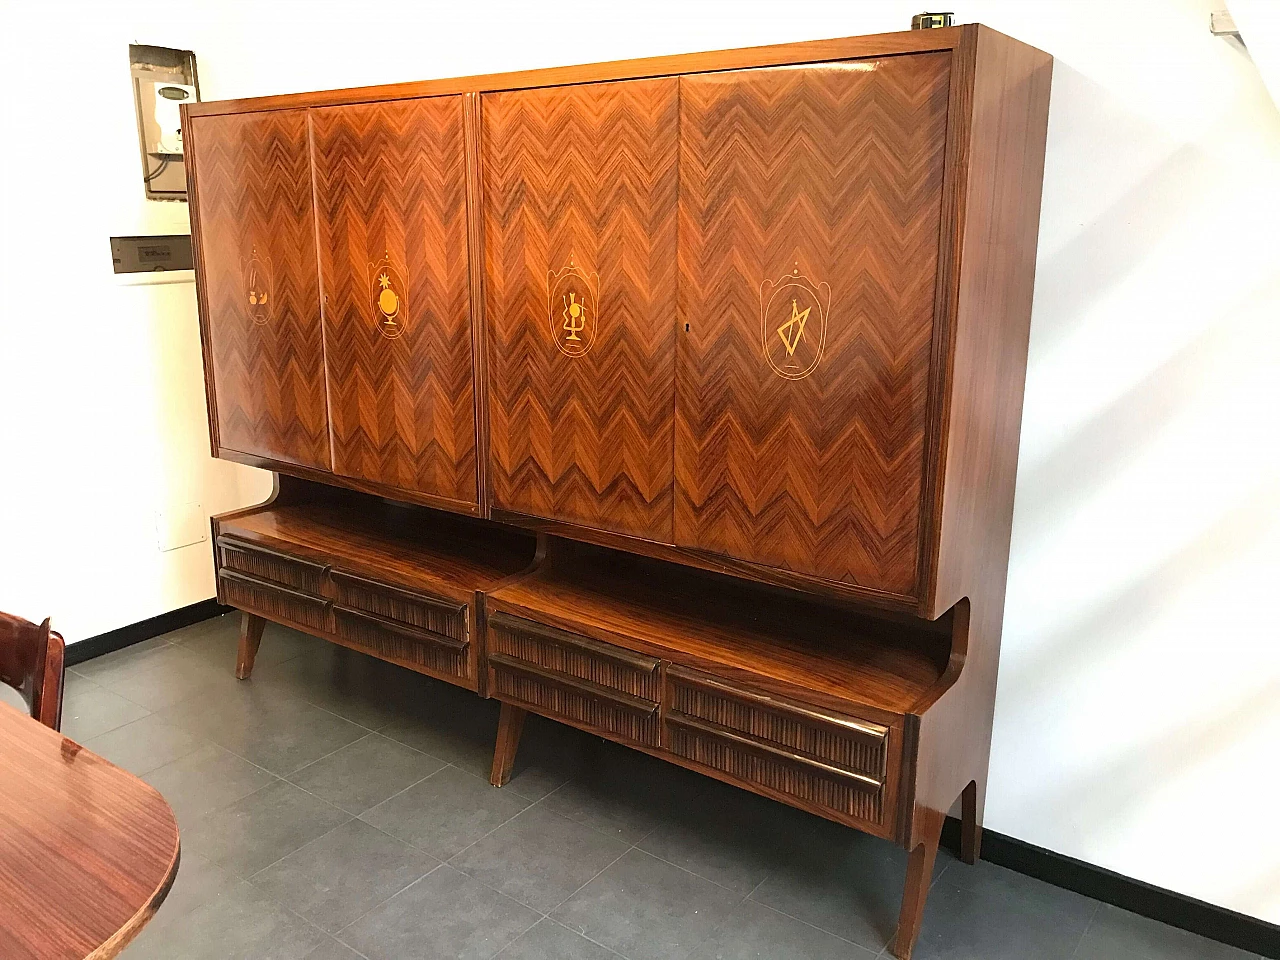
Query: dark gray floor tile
(985, 912)
(619, 803)
(199, 880)
(451, 724)
(219, 642)
(333, 950)
(754, 932)
(337, 878)
(237, 923)
(1117, 934)
(539, 858)
(204, 781)
(89, 711)
(283, 736)
(352, 685)
(119, 663)
(548, 940)
(838, 879)
(254, 832)
(647, 909)
(173, 675)
(550, 755)
(724, 834)
(145, 744)
(365, 773)
(445, 812)
(444, 916)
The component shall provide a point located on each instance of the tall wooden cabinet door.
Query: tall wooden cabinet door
(252, 214)
(392, 204)
(810, 203)
(580, 275)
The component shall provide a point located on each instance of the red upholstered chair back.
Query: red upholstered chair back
(31, 661)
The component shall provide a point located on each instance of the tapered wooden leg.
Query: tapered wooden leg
(510, 723)
(970, 824)
(250, 638)
(919, 876)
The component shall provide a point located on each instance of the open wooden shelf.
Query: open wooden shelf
(783, 641)
(413, 546)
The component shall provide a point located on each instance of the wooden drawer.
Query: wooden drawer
(272, 600)
(575, 678)
(821, 758)
(393, 641)
(444, 619)
(573, 656)
(263, 563)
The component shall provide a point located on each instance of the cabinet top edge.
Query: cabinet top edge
(785, 54)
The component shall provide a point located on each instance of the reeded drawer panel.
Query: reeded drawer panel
(578, 701)
(560, 652)
(393, 641)
(272, 600)
(754, 762)
(849, 744)
(441, 617)
(263, 563)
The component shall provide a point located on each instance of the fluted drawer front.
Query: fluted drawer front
(264, 563)
(756, 763)
(272, 600)
(577, 701)
(392, 641)
(846, 743)
(582, 658)
(434, 615)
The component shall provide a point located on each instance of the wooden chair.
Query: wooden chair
(31, 661)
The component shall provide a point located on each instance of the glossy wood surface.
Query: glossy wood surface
(395, 544)
(87, 851)
(254, 234)
(32, 659)
(790, 643)
(580, 206)
(390, 186)
(811, 193)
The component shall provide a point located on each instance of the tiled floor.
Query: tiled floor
(336, 808)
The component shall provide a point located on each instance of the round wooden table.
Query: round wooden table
(88, 852)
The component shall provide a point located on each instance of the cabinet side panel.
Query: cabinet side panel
(810, 202)
(580, 293)
(257, 252)
(391, 197)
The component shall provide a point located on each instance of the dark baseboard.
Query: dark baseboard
(144, 630)
(1216, 923)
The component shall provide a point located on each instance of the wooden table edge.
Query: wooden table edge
(113, 946)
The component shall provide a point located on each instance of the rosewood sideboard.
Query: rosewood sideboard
(675, 399)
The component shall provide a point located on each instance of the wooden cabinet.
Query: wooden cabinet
(391, 199)
(580, 281)
(254, 238)
(810, 201)
(741, 335)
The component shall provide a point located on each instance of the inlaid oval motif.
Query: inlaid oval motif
(386, 295)
(572, 299)
(793, 324)
(259, 294)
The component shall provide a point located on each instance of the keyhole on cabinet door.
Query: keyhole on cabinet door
(686, 328)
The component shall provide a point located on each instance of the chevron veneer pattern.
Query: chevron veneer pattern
(255, 200)
(391, 183)
(586, 173)
(833, 171)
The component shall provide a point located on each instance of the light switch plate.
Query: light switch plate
(181, 526)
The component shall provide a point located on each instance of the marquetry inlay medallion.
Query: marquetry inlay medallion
(386, 294)
(258, 292)
(793, 324)
(572, 298)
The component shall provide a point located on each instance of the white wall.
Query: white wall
(1139, 706)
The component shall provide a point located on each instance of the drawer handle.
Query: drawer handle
(562, 638)
(625, 700)
(873, 731)
(400, 630)
(237, 577)
(379, 587)
(240, 546)
(825, 769)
